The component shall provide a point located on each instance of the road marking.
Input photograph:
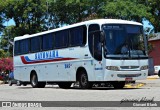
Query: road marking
(138, 85)
(152, 78)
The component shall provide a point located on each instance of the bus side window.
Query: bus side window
(61, 39)
(24, 46)
(35, 44)
(77, 36)
(16, 48)
(47, 41)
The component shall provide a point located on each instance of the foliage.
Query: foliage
(1, 16)
(32, 16)
(71, 11)
(7, 48)
(155, 11)
(7, 39)
(6, 65)
(29, 15)
(126, 9)
(2, 54)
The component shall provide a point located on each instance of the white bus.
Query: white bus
(95, 51)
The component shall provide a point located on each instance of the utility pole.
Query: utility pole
(47, 15)
(8, 45)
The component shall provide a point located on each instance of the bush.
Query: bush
(6, 65)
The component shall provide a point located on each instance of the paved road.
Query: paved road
(151, 90)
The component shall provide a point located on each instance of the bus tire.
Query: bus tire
(34, 80)
(118, 84)
(83, 80)
(24, 84)
(159, 73)
(35, 83)
(65, 85)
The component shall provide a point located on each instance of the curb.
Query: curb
(153, 77)
(1, 82)
(138, 85)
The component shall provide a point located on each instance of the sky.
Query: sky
(147, 24)
(9, 23)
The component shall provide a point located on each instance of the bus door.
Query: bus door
(97, 54)
(95, 47)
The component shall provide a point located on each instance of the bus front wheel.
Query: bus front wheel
(83, 80)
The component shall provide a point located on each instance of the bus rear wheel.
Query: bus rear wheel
(83, 80)
(35, 83)
(24, 84)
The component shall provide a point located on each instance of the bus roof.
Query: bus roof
(96, 21)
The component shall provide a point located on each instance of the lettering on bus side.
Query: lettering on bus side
(46, 55)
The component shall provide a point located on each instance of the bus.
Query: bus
(107, 51)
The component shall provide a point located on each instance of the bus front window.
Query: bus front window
(124, 41)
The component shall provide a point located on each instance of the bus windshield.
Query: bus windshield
(124, 40)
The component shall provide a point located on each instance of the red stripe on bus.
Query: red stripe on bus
(43, 61)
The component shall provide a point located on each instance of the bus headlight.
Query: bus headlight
(114, 68)
(144, 67)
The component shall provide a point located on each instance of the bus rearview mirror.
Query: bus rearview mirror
(102, 36)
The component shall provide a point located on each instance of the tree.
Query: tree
(1, 16)
(29, 15)
(64, 12)
(2, 54)
(32, 16)
(126, 9)
(71, 11)
(1, 22)
(7, 39)
(155, 11)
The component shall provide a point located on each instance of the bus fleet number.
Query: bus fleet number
(67, 65)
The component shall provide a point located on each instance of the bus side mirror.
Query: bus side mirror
(102, 36)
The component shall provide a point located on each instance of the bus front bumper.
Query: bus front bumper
(125, 75)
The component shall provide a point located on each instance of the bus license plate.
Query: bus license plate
(128, 79)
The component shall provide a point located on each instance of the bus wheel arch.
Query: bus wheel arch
(82, 78)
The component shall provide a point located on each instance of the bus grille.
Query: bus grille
(128, 75)
(129, 67)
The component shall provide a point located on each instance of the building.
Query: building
(155, 52)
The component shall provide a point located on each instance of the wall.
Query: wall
(155, 53)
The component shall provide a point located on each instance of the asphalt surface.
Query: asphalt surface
(149, 89)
